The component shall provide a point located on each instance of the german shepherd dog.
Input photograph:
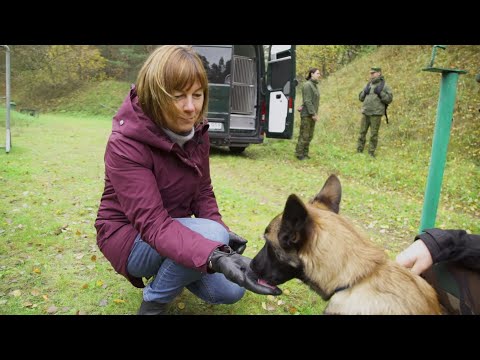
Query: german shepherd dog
(315, 244)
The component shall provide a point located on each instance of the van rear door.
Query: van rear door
(217, 61)
(280, 91)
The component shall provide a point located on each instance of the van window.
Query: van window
(217, 62)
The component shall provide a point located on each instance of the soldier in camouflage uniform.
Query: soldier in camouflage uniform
(455, 274)
(375, 97)
(308, 113)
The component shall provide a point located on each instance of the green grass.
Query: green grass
(52, 180)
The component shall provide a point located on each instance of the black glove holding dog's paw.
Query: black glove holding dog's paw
(236, 242)
(236, 268)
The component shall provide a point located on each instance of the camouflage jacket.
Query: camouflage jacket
(374, 104)
(311, 98)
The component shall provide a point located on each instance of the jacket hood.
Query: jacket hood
(131, 122)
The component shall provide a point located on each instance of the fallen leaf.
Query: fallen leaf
(286, 292)
(280, 302)
(118, 301)
(93, 258)
(181, 305)
(271, 298)
(52, 309)
(268, 307)
(15, 293)
(85, 286)
(45, 297)
(79, 256)
(292, 310)
(81, 312)
(99, 283)
(27, 304)
(37, 271)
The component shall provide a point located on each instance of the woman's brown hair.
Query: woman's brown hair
(169, 68)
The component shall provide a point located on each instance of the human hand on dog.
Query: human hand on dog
(236, 242)
(236, 268)
(416, 257)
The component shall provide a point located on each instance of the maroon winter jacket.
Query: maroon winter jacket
(149, 180)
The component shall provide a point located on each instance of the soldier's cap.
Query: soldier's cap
(375, 69)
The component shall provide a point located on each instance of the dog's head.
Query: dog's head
(289, 234)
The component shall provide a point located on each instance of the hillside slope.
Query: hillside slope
(413, 110)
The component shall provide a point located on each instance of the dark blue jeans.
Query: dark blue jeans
(171, 278)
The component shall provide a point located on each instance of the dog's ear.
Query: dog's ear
(295, 224)
(330, 195)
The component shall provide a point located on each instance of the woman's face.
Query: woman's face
(189, 103)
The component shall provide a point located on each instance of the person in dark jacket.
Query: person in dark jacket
(459, 253)
(158, 215)
(375, 97)
(308, 113)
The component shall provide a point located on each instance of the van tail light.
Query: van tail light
(263, 117)
(290, 105)
(263, 111)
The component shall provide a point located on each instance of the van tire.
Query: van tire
(237, 149)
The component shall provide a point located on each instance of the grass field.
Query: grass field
(52, 180)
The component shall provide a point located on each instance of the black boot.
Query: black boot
(152, 308)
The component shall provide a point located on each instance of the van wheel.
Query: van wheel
(237, 149)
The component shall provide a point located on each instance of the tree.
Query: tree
(50, 71)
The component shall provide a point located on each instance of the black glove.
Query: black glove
(377, 90)
(366, 91)
(237, 243)
(236, 268)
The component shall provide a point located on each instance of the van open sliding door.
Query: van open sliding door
(280, 92)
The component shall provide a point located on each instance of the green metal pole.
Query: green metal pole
(441, 137)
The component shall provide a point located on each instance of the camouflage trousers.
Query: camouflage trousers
(373, 122)
(307, 128)
(458, 288)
